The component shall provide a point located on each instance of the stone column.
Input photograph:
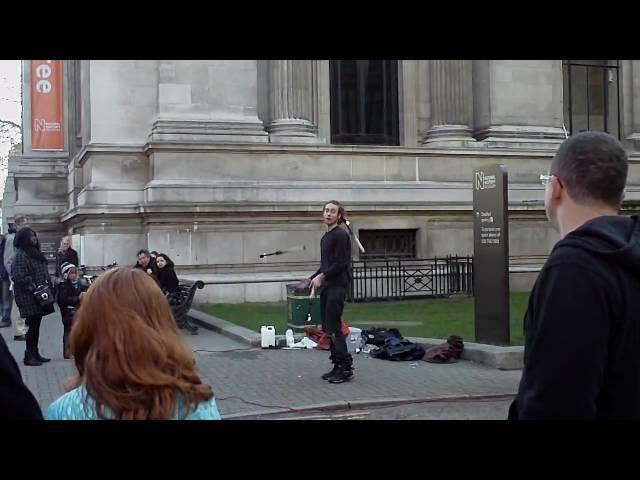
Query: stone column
(408, 99)
(630, 90)
(291, 101)
(451, 101)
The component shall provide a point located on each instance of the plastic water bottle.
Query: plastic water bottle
(360, 343)
(353, 342)
(289, 337)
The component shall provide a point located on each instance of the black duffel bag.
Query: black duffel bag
(378, 336)
(399, 349)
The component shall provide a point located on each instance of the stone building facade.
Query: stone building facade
(216, 161)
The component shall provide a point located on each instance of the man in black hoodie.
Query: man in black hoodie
(582, 326)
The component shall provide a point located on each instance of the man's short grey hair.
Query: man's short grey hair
(593, 167)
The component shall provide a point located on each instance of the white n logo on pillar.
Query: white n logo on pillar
(39, 124)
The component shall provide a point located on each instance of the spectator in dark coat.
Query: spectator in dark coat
(28, 271)
(16, 400)
(147, 264)
(167, 277)
(65, 254)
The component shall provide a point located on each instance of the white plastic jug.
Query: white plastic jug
(267, 336)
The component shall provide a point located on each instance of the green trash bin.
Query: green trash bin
(298, 302)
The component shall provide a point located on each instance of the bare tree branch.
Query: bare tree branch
(11, 133)
(9, 123)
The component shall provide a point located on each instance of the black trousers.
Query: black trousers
(33, 333)
(331, 307)
(67, 319)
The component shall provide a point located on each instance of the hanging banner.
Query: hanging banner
(47, 108)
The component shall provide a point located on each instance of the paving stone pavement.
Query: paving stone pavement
(254, 381)
(488, 409)
(46, 382)
(291, 379)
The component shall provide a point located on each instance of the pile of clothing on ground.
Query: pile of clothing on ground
(448, 352)
(315, 333)
(391, 345)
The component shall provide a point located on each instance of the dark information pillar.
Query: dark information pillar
(491, 255)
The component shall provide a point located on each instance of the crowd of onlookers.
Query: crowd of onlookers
(131, 360)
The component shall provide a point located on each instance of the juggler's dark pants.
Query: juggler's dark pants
(331, 307)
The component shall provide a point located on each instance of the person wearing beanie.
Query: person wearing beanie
(70, 292)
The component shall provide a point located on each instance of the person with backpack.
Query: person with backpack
(8, 257)
(6, 295)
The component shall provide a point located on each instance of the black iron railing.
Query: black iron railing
(394, 279)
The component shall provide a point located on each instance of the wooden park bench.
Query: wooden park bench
(181, 301)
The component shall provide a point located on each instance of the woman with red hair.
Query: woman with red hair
(132, 362)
